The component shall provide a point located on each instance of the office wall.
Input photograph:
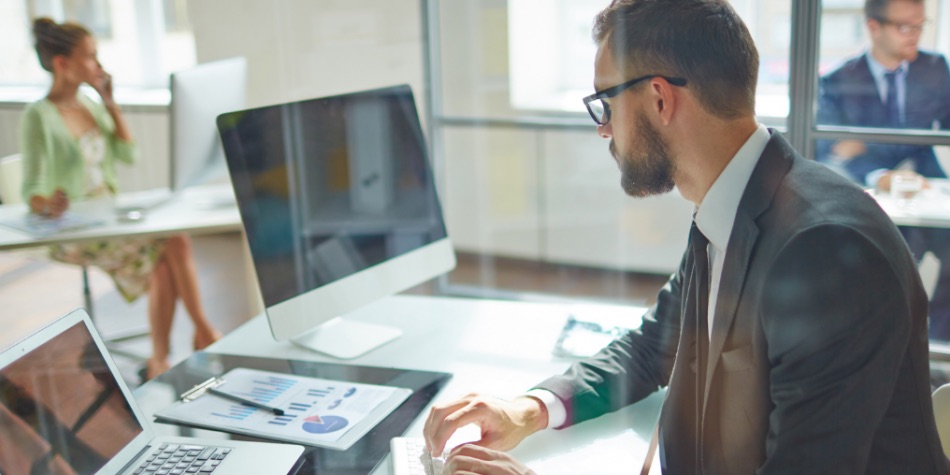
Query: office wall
(300, 49)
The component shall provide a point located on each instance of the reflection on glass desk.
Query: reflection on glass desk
(361, 458)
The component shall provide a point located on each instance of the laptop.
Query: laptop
(64, 408)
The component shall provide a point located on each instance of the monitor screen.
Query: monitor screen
(338, 202)
(198, 95)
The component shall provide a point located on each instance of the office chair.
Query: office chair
(11, 182)
(941, 402)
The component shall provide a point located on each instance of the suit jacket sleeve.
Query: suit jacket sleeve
(834, 313)
(630, 368)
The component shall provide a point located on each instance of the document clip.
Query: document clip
(200, 389)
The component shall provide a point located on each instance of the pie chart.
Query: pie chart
(324, 425)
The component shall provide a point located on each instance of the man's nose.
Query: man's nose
(605, 131)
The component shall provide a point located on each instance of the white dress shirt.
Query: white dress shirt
(900, 81)
(714, 217)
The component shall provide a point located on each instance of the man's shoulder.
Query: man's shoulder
(930, 60)
(850, 69)
(814, 194)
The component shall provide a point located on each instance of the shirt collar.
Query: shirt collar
(878, 69)
(717, 212)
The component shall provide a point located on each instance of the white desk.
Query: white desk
(195, 210)
(494, 347)
(929, 209)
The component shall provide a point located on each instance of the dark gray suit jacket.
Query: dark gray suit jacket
(818, 361)
(848, 96)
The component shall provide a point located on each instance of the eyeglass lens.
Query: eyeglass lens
(598, 110)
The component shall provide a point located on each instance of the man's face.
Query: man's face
(641, 153)
(898, 34)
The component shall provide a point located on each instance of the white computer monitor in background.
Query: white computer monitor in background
(340, 209)
(198, 96)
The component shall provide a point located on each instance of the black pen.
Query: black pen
(276, 410)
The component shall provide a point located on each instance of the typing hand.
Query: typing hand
(504, 424)
(472, 459)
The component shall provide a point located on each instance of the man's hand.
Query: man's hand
(469, 459)
(504, 424)
(848, 149)
(884, 182)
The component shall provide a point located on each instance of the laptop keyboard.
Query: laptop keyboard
(410, 457)
(174, 459)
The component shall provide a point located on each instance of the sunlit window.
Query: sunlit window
(551, 53)
(139, 42)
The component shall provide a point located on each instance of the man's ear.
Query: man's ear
(874, 27)
(664, 99)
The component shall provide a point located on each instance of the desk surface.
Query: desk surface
(494, 347)
(931, 208)
(198, 210)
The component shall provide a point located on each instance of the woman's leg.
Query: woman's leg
(178, 254)
(161, 311)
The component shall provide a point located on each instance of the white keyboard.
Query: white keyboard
(409, 457)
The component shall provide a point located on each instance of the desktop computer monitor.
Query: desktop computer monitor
(340, 209)
(198, 96)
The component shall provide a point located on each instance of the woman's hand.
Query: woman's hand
(52, 207)
(103, 85)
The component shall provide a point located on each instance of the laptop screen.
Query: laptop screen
(61, 409)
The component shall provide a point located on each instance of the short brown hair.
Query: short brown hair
(874, 9)
(704, 41)
(54, 39)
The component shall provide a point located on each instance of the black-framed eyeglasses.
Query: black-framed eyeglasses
(904, 28)
(598, 108)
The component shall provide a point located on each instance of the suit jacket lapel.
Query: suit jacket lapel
(774, 163)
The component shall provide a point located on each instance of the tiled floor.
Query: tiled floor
(35, 291)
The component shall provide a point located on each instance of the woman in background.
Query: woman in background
(70, 144)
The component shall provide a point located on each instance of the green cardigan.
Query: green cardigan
(51, 155)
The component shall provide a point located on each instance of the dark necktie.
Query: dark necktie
(890, 101)
(699, 288)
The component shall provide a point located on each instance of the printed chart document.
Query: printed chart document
(319, 412)
(40, 226)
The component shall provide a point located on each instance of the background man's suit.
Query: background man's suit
(818, 358)
(849, 96)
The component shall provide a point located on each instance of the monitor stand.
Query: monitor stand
(346, 339)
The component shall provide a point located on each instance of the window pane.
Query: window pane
(889, 72)
(94, 14)
(156, 42)
(909, 38)
(546, 198)
(504, 59)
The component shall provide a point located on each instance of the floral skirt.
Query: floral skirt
(129, 261)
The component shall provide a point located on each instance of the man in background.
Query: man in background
(893, 85)
(792, 339)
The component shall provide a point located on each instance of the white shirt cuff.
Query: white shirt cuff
(557, 413)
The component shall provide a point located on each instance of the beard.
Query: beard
(645, 168)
